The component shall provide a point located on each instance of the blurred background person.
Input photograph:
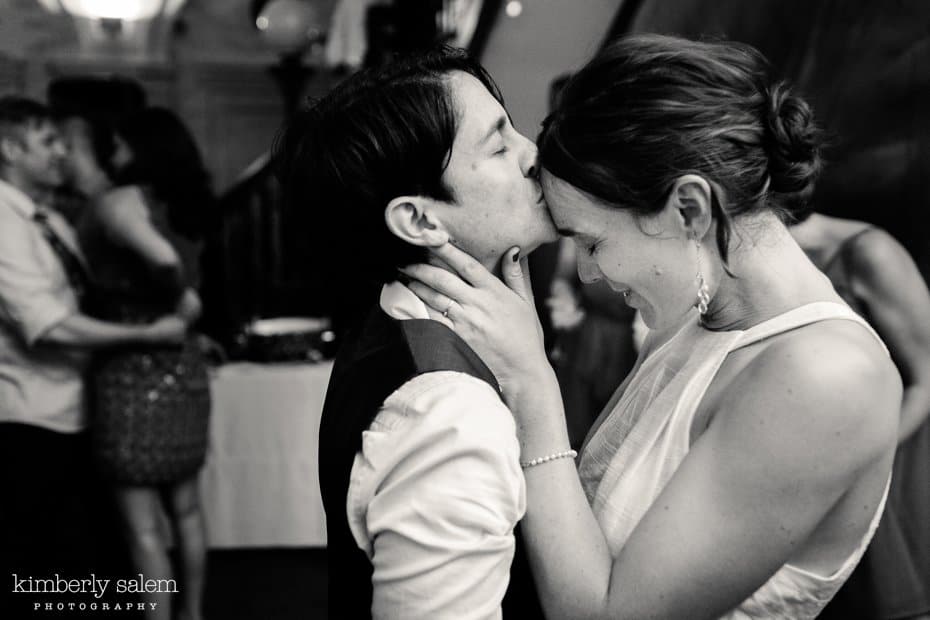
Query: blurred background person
(141, 236)
(87, 110)
(876, 276)
(46, 522)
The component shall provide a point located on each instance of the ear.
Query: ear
(690, 205)
(412, 219)
(10, 149)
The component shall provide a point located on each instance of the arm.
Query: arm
(884, 277)
(445, 492)
(125, 218)
(79, 330)
(774, 460)
(36, 303)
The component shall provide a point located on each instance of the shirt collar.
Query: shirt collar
(401, 303)
(17, 199)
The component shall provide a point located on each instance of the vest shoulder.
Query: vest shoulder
(434, 347)
(409, 347)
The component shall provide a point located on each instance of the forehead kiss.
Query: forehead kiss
(492, 174)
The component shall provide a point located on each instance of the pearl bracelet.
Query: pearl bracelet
(552, 457)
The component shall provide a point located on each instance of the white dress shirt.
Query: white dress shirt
(436, 491)
(39, 385)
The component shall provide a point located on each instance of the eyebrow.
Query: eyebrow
(498, 127)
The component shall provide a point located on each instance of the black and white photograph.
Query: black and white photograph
(464, 309)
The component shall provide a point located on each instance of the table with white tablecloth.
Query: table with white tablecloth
(260, 485)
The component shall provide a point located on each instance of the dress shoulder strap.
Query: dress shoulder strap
(799, 317)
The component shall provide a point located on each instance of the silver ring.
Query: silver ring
(445, 313)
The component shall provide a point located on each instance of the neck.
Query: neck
(494, 266)
(35, 193)
(771, 275)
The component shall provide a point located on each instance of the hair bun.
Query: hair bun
(793, 147)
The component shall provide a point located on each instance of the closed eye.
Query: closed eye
(592, 249)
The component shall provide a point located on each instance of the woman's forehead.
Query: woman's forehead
(574, 211)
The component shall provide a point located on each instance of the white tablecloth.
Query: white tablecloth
(260, 485)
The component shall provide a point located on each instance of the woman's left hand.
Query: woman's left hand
(497, 319)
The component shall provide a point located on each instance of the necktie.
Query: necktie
(74, 269)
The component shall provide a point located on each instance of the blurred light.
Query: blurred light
(51, 5)
(121, 9)
(514, 8)
(289, 24)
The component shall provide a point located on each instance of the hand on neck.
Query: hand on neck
(491, 264)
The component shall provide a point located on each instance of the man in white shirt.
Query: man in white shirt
(419, 464)
(45, 340)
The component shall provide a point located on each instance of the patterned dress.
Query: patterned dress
(150, 403)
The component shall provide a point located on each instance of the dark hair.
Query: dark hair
(650, 108)
(165, 158)
(17, 113)
(382, 133)
(101, 102)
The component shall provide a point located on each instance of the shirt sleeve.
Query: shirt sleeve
(30, 290)
(439, 489)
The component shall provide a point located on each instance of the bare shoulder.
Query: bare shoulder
(120, 202)
(827, 390)
(875, 251)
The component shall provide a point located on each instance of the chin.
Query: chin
(528, 248)
(655, 322)
(546, 234)
(531, 246)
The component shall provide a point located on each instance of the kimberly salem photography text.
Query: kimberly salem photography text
(90, 593)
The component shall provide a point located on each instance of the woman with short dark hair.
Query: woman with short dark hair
(742, 467)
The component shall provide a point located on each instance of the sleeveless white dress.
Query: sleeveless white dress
(631, 456)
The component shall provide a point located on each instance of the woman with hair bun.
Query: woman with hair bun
(742, 467)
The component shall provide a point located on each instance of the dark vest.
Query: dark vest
(373, 362)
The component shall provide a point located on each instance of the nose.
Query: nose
(588, 271)
(529, 158)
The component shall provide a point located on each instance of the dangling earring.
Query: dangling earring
(703, 294)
